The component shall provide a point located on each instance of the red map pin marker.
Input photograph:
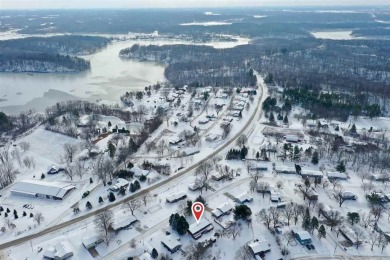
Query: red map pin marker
(197, 211)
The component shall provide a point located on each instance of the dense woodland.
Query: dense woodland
(354, 68)
(48, 54)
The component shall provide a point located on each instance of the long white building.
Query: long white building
(42, 189)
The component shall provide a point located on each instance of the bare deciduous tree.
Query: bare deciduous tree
(241, 140)
(25, 146)
(133, 205)
(70, 151)
(103, 222)
(38, 217)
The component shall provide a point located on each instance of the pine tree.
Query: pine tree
(257, 155)
(132, 187)
(280, 117)
(111, 149)
(285, 120)
(90, 180)
(109, 124)
(5, 214)
(142, 178)
(88, 205)
(297, 153)
(154, 253)
(306, 223)
(340, 167)
(314, 158)
(353, 129)
(201, 200)
(271, 118)
(314, 223)
(321, 232)
(24, 213)
(100, 199)
(42, 176)
(31, 215)
(8, 211)
(111, 197)
(122, 191)
(137, 185)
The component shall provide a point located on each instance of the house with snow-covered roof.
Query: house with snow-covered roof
(302, 236)
(60, 251)
(197, 230)
(42, 189)
(170, 243)
(259, 247)
(222, 210)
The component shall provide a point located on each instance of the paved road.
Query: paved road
(149, 189)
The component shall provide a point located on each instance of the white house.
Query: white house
(292, 138)
(91, 241)
(119, 184)
(123, 223)
(171, 244)
(190, 151)
(42, 189)
(337, 176)
(221, 210)
(243, 198)
(176, 197)
(138, 172)
(259, 247)
(197, 230)
(62, 250)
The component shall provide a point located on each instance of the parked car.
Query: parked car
(85, 194)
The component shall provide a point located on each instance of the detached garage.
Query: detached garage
(42, 189)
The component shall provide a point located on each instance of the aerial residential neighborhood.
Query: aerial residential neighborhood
(117, 125)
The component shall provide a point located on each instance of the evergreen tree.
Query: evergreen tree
(321, 232)
(111, 149)
(43, 176)
(285, 120)
(137, 185)
(353, 129)
(24, 213)
(5, 214)
(122, 191)
(297, 153)
(280, 117)
(242, 212)
(142, 178)
(8, 211)
(314, 223)
(132, 187)
(111, 197)
(306, 223)
(257, 155)
(31, 215)
(340, 167)
(353, 217)
(201, 200)
(314, 158)
(243, 152)
(109, 124)
(271, 118)
(100, 199)
(188, 209)
(1, 209)
(88, 205)
(182, 226)
(337, 128)
(90, 180)
(154, 253)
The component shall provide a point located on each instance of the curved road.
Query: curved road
(149, 189)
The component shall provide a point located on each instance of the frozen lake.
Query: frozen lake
(335, 35)
(109, 77)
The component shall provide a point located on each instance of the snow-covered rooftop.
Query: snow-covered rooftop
(55, 189)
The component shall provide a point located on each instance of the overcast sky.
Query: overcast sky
(38, 4)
